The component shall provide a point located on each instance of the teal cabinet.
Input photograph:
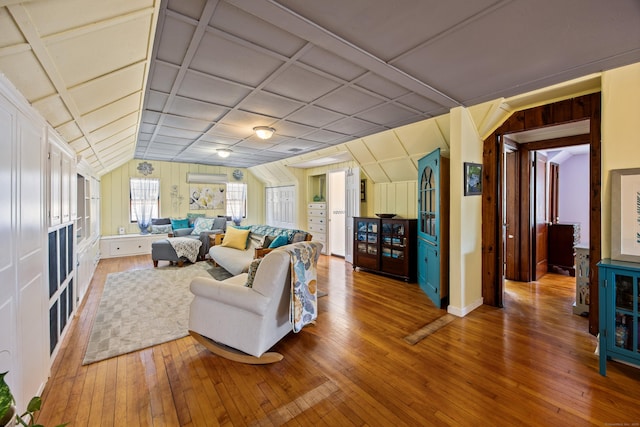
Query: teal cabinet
(433, 227)
(619, 304)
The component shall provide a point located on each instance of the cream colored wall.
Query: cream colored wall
(115, 193)
(400, 198)
(465, 220)
(620, 130)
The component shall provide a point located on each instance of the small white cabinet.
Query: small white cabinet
(128, 244)
(317, 223)
(581, 306)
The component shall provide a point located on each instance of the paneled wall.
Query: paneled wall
(115, 193)
(400, 198)
(24, 342)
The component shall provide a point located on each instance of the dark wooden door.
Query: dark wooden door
(511, 241)
(540, 247)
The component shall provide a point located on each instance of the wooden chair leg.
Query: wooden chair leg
(236, 355)
(155, 262)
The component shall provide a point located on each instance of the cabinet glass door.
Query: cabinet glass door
(393, 240)
(626, 309)
(367, 237)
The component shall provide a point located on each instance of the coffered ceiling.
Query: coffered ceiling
(178, 79)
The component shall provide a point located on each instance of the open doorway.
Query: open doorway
(545, 200)
(337, 213)
(557, 186)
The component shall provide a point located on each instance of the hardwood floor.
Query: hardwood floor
(531, 363)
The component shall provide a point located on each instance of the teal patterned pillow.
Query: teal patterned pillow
(251, 274)
(202, 224)
(161, 229)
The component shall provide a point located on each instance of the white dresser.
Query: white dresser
(317, 223)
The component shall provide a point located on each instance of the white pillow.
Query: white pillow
(202, 224)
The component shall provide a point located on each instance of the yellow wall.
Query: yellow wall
(465, 220)
(115, 193)
(400, 198)
(620, 134)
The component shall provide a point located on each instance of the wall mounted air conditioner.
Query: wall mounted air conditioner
(207, 178)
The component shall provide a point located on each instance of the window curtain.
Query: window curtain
(144, 201)
(236, 197)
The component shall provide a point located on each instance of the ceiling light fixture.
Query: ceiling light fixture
(264, 132)
(223, 152)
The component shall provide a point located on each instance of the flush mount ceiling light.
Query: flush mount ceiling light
(223, 152)
(264, 132)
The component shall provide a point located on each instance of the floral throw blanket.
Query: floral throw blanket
(186, 247)
(304, 297)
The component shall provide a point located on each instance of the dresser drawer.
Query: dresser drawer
(317, 220)
(317, 206)
(317, 228)
(129, 247)
(317, 212)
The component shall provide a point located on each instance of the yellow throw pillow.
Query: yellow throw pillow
(235, 238)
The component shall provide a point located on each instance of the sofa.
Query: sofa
(242, 317)
(200, 228)
(236, 260)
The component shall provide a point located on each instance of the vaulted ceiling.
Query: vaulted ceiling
(175, 80)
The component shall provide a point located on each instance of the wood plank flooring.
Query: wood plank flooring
(530, 363)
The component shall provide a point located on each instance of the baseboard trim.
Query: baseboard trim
(461, 312)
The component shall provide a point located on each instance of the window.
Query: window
(236, 200)
(144, 199)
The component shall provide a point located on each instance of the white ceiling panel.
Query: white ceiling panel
(254, 30)
(54, 110)
(94, 94)
(35, 84)
(233, 61)
(301, 84)
(112, 112)
(94, 54)
(402, 169)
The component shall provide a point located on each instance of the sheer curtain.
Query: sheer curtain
(144, 201)
(236, 197)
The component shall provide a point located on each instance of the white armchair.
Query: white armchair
(239, 322)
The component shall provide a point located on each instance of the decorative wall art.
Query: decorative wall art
(472, 179)
(625, 214)
(145, 168)
(206, 196)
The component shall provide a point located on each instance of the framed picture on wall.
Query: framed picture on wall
(625, 214)
(472, 179)
(363, 190)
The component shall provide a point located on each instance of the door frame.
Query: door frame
(566, 111)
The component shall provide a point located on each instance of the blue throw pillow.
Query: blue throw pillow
(278, 241)
(179, 223)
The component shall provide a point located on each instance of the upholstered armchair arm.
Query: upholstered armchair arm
(181, 232)
(231, 294)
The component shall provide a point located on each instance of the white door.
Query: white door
(352, 209)
(281, 206)
(337, 202)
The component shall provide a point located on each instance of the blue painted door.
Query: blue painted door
(429, 226)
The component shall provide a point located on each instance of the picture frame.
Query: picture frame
(363, 190)
(472, 179)
(625, 214)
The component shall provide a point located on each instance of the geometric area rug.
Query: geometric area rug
(142, 308)
(429, 328)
